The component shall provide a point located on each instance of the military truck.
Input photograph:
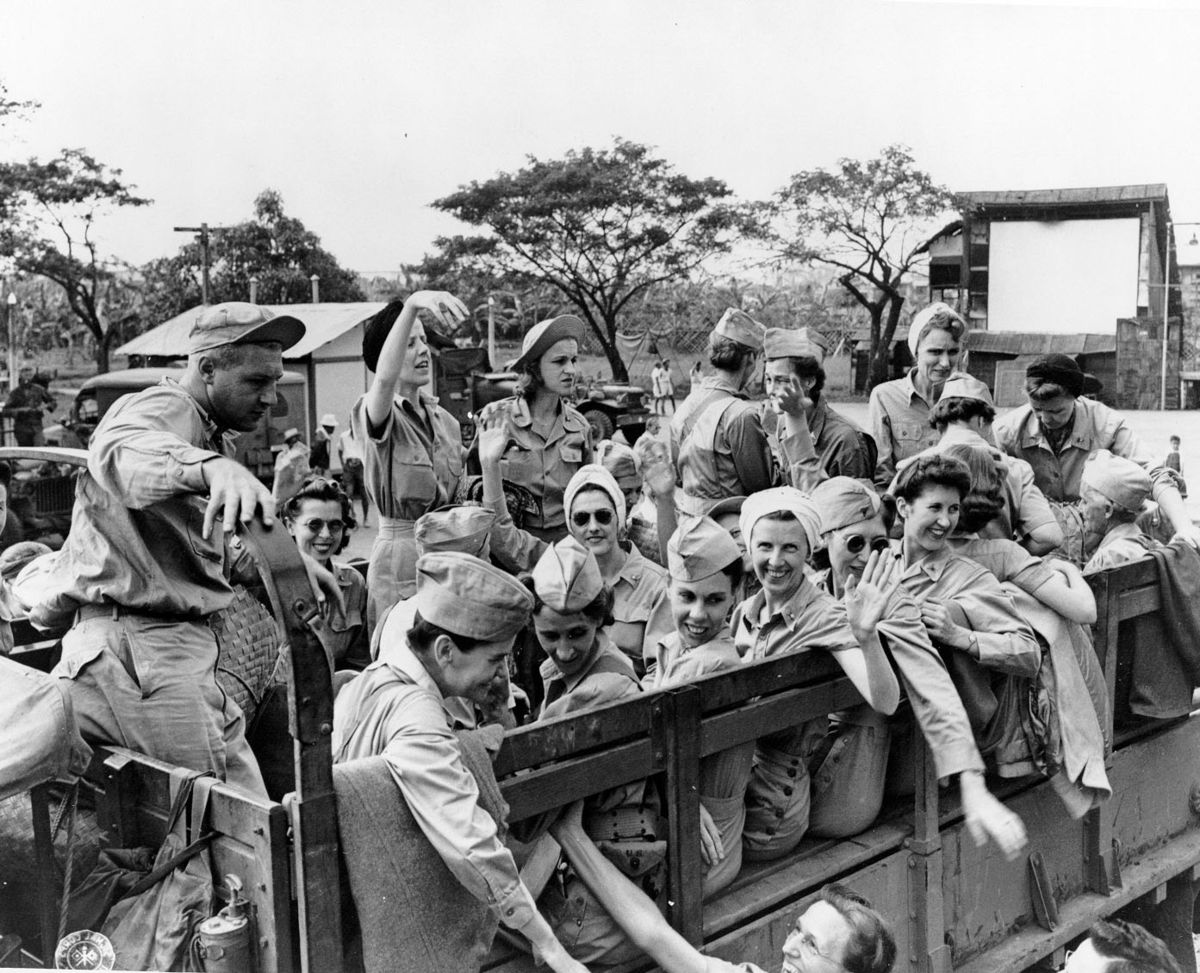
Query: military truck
(954, 905)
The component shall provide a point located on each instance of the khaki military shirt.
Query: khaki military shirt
(899, 420)
(136, 529)
(394, 709)
(1094, 426)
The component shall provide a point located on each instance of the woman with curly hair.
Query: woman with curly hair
(547, 438)
(319, 516)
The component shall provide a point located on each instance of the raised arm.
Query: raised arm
(866, 601)
(446, 308)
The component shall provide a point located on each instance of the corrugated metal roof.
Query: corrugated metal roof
(322, 323)
(1146, 192)
(1017, 343)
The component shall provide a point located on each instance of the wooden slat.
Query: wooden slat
(677, 733)
(561, 783)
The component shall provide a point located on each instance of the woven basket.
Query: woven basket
(248, 646)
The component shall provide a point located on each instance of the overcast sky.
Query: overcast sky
(361, 113)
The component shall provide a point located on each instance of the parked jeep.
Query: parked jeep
(254, 449)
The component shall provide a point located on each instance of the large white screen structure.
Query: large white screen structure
(1064, 277)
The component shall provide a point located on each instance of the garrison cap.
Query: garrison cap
(794, 343)
(469, 597)
(239, 322)
(542, 335)
(700, 548)
(463, 528)
(1118, 479)
(622, 462)
(842, 501)
(567, 577)
(740, 327)
(960, 386)
(778, 499)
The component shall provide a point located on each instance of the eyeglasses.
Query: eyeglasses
(603, 517)
(316, 525)
(856, 542)
(809, 946)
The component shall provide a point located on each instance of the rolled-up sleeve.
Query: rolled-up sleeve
(424, 759)
(1006, 643)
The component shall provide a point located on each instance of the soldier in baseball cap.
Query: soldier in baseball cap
(237, 322)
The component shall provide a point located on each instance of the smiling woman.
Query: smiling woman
(899, 410)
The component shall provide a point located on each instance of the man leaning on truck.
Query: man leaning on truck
(143, 567)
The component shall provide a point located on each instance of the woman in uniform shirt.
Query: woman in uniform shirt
(705, 565)
(548, 438)
(583, 671)
(413, 458)
(595, 506)
(898, 413)
(319, 516)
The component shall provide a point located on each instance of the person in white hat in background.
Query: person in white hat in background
(292, 466)
(584, 670)
(1114, 492)
(717, 435)
(466, 615)
(413, 456)
(548, 439)
(319, 458)
(705, 564)
(147, 558)
(781, 528)
(963, 416)
(899, 410)
(793, 379)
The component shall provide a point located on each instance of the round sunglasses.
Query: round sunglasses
(602, 516)
(855, 543)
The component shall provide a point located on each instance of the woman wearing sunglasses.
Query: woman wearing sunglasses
(595, 509)
(854, 526)
(320, 518)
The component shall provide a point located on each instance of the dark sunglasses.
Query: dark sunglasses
(602, 516)
(856, 542)
(316, 525)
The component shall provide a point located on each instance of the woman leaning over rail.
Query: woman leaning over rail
(854, 524)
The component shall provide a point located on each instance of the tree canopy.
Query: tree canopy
(599, 225)
(871, 221)
(277, 249)
(48, 213)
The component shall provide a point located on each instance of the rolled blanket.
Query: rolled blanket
(413, 913)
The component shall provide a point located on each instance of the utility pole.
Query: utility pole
(204, 232)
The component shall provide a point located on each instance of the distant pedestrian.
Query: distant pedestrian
(660, 387)
(696, 373)
(319, 458)
(670, 383)
(350, 451)
(291, 467)
(26, 406)
(1174, 462)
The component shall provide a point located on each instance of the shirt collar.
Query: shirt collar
(816, 422)
(1119, 533)
(404, 662)
(1082, 429)
(212, 431)
(550, 671)
(908, 386)
(931, 565)
(719, 382)
(789, 614)
(633, 568)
